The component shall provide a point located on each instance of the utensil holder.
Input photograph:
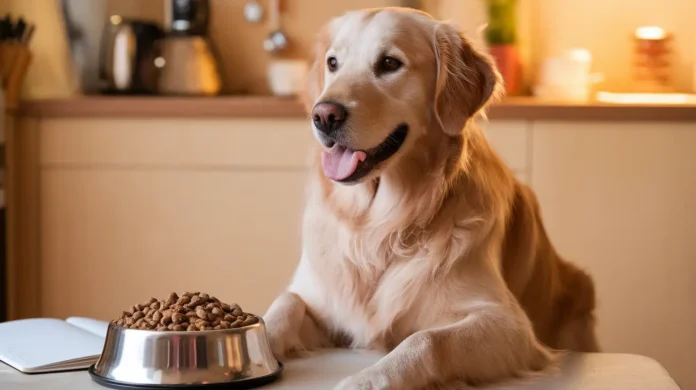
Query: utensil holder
(15, 59)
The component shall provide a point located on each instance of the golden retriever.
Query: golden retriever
(417, 239)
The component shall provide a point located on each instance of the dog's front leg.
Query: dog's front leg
(291, 331)
(484, 346)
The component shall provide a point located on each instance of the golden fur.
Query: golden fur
(439, 256)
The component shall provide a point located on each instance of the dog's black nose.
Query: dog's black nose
(328, 117)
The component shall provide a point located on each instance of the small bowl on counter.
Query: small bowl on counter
(287, 78)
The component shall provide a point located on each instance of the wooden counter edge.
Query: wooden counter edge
(274, 107)
(153, 107)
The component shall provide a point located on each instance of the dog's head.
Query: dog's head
(383, 78)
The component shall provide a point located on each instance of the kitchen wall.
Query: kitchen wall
(546, 27)
(604, 27)
(239, 44)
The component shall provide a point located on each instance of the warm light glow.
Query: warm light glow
(580, 55)
(650, 33)
(160, 62)
(646, 98)
(116, 19)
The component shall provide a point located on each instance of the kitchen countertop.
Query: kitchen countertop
(520, 108)
(326, 369)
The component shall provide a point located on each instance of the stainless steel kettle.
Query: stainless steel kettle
(189, 67)
(128, 56)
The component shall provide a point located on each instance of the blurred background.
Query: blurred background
(150, 146)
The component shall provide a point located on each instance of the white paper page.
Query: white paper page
(91, 325)
(39, 343)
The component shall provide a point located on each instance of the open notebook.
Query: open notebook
(40, 345)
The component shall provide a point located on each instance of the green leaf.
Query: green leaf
(502, 22)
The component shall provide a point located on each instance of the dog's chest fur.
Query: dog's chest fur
(366, 285)
(355, 301)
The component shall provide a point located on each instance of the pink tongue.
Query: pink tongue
(340, 162)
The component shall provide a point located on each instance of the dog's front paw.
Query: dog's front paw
(365, 381)
(286, 346)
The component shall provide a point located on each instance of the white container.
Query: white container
(287, 77)
(566, 77)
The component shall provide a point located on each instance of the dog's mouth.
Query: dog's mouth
(346, 165)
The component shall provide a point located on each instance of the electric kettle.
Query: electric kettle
(128, 53)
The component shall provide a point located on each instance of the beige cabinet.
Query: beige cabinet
(138, 208)
(620, 200)
(112, 237)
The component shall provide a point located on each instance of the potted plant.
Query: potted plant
(501, 37)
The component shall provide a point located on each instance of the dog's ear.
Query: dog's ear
(467, 80)
(315, 76)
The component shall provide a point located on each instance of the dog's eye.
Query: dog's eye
(388, 64)
(332, 64)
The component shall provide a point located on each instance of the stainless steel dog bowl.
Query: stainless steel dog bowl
(145, 359)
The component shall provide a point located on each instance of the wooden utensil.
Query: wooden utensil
(277, 40)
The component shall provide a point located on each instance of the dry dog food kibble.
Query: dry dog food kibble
(190, 312)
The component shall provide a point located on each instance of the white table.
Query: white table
(324, 370)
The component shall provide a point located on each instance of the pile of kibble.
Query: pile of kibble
(189, 312)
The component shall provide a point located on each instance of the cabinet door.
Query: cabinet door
(134, 208)
(620, 200)
(510, 139)
(111, 237)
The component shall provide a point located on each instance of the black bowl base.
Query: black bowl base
(237, 385)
